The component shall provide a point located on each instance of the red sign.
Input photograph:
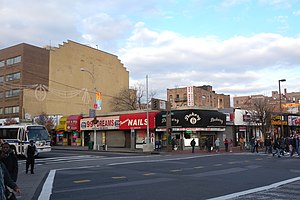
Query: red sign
(73, 122)
(137, 121)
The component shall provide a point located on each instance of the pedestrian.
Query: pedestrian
(6, 181)
(10, 160)
(217, 144)
(193, 144)
(30, 153)
(226, 144)
(252, 141)
(242, 143)
(256, 144)
(267, 145)
(276, 147)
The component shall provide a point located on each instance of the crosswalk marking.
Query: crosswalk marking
(56, 160)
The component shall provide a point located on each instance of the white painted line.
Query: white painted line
(274, 185)
(164, 160)
(47, 187)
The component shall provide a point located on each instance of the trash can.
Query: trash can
(91, 145)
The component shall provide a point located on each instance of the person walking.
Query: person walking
(226, 144)
(193, 144)
(242, 143)
(268, 147)
(30, 153)
(6, 181)
(217, 145)
(10, 160)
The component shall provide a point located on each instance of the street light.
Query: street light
(94, 83)
(281, 131)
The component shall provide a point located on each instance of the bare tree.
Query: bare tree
(131, 99)
(125, 100)
(261, 110)
(45, 120)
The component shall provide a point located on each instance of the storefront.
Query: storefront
(107, 131)
(202, 125)
(294, 124)
(136, 125)
(72, 136)
(60, 131)
(277, 124)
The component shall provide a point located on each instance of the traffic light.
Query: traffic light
(95, 120)
(155, 104)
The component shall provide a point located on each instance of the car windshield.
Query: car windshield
(38, 133)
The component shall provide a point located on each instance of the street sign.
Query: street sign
(92, 113)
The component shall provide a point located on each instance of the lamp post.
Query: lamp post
(281, 131)
(94, 84)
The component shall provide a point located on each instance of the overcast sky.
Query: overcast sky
(240, 47)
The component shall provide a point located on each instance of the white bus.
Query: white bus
(18, 137)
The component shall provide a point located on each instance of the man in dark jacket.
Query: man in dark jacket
(30, 153)
(9, 159)
(6, 181)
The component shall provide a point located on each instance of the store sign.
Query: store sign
(190, 96)
(104, 123)
(72, 122)
(294, 120)
(193, 118)
(137, 121)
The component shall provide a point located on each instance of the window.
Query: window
(13, 109)
(11, 77)
(8, 110)
(10, 133)
(14, 60)
(2, 63)
(12, 93)
(1, 79)
(1, 95)
(1, 111)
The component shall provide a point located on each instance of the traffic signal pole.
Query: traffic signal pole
(169, 126)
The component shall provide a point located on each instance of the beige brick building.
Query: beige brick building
(50, 80)
(197, 96)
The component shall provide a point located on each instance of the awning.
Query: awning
(62, 124)
(73, 123)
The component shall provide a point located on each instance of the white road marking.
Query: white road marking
(47, 187)
(274, 185)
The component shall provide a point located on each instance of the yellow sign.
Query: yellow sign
(286, 105)
(98, 96)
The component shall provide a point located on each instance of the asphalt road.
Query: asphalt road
(188, 176)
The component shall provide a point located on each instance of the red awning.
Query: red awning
(73, 122)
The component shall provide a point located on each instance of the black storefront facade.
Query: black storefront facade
(202, 125)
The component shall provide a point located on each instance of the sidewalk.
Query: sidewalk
(187, 150)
